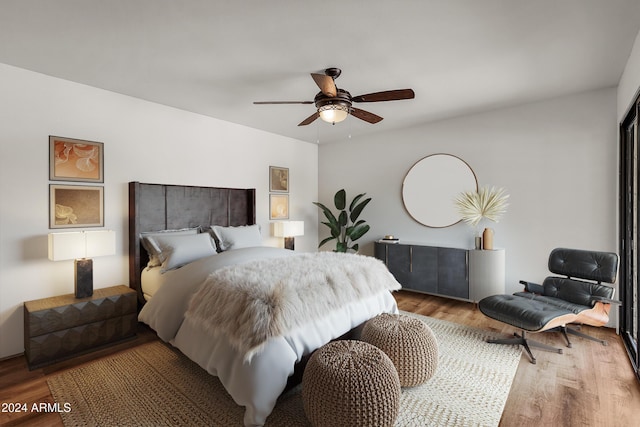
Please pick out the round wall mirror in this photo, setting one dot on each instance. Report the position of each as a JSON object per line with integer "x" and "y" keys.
{"x": 432, "y": 184}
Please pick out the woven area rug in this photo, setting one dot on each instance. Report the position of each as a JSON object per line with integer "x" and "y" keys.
{"x": 154, "y": 385}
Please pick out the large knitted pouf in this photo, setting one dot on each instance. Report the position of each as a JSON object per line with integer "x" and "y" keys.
{"x": 409, "y": 343}
{"x": 350, "y": 383}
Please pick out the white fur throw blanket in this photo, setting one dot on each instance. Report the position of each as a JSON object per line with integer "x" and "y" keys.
{"x": 255, "y": 301}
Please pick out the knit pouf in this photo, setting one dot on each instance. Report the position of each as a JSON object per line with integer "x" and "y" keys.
{"x": 409, "y": 343}
{"x": 350, "y": 383}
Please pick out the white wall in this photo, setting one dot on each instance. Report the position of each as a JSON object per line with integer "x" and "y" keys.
{"x": 143, "y": 142}
{"x": 630, "y": 80}
{"x": 556, "y": 159}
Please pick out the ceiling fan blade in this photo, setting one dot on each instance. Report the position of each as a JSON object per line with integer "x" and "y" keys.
{"x": 282, "y": 102}
{"x": 388, "y": 95}
{"x": 326, "y": 84}
{"x": 309, "y": 119}
{"x": 365, "y": 115}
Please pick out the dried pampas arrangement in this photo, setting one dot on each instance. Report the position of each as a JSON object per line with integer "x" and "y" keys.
{"x": 484, "y": 203}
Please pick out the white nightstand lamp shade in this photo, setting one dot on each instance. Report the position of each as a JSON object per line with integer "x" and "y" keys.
{"x": 82, "y": 246}
{"x": 63, "y": 246}
{"x": 288, "y": 230}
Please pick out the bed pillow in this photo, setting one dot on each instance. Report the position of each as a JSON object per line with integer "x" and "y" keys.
{"x": 243, "y": 236}
{"x": 179, "y": 250}
{"x": 155, "y": 254}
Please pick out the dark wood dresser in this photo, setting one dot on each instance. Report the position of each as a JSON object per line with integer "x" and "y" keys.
{"x": 60, "y": 327}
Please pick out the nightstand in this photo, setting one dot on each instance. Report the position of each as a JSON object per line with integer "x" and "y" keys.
{"x": 60, "y": 327}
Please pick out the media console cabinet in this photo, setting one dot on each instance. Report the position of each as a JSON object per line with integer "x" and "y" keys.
{"x": 466, "y": 274}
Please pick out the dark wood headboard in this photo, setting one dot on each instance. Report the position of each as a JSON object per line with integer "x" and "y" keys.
{"x": 155, "y": 207}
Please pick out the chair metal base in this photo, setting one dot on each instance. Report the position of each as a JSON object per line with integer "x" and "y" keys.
{"x": 575, "y": 331}
{"x": 524, "y": 342}
{"x": 565, "y": 330}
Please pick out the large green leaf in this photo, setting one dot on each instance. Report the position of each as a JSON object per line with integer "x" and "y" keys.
{"x": 355, "y": 200}
{"x": 320, "y": 205}
{"x": 342, "y": 219}
{"x": 348, "y": 231}
{"x": 358, "y": 232}
{"x": 328, "y": 214}
{"x": 328, "y": 239}
{"x": 340, "y": 199}
{"x": 335, "y": 231}
{"x": 356, "y": 211}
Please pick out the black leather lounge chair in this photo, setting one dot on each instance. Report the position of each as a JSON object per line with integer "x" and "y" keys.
{"x": 578, "y": 298}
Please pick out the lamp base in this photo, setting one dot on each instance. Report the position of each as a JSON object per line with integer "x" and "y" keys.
{"x": 84, "y": 278}
{"x": 289, "y": 243}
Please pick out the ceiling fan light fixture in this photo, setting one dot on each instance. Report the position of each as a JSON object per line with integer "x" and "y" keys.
{"x": 333, "y": 113}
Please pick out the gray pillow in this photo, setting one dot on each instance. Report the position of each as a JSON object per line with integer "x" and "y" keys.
{"x": 179, "y": 250}
{"x": 243, "y": 236}
{"x": 155, "y": 254}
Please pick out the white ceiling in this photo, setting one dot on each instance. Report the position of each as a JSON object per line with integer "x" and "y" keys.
{"x": 215, "y": 57}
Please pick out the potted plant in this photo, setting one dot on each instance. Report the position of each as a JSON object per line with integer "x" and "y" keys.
{"x": 345, "y": 227}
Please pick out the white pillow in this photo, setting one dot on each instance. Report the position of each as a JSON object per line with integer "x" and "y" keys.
{"x": 178, "y": 250}
{"x": 243, "y": 236}
{"x": 155, "y": 253}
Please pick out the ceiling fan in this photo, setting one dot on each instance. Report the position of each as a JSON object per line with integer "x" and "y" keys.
{"x": 334, "y": 104}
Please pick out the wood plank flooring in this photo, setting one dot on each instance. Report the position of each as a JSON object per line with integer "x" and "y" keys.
{"x": 589, "y": 385}
{"x": 21, "y": 386}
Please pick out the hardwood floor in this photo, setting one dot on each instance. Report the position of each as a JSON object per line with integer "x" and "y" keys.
{"x": 19, "y": 385}
{"x": 589, "y": 385}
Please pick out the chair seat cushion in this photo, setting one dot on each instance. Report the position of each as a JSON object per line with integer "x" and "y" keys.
{"x": 525, "y": 313}
{"x": 567, "y": 305}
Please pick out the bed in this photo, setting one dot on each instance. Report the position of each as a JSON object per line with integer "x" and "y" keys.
{"x": 249, "y": 315}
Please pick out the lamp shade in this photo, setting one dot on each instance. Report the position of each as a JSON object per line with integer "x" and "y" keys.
{"x": 64, "y": 246}
{"x": 81, "y": 244}
{"x": 288, "y": 228}
{"x": 100, "y": 243}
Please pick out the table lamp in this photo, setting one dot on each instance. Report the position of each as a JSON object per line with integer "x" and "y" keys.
{"x": 288, "y": 230}
{"x": 82, "y": 246}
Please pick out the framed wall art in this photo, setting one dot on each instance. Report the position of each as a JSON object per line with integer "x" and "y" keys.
{"x": 76, "y": 206}
{"x": 278, "y": 179}
{"x": 278, "y": 206}
{"x": 75, "y": 160}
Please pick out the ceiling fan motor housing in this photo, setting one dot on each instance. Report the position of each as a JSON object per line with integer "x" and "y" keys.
{"x": 342, "y": 98}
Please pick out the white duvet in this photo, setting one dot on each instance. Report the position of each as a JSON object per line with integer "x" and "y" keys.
{"x": 258, "y": 383}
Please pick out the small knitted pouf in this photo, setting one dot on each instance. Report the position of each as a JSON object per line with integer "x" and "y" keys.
{"x": 350, "y": 383}
{"x": 409, "y": 343}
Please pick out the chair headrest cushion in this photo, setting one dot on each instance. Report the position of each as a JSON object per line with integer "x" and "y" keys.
{"x": 589, "y": 265}
{"x": 575, "y": 291}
